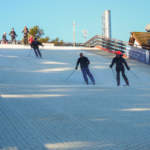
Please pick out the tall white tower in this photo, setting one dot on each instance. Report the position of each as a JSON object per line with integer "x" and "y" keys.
{"x": 106, "y": 24}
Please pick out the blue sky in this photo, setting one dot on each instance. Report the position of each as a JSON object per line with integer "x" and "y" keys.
{"x": 55, "y": 17}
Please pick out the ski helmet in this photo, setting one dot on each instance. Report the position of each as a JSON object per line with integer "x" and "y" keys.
{"x": 119, "y": 53}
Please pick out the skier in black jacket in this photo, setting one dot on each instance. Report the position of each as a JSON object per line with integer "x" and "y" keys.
{"x": 35, "y": 45}
{"x": 13, "y": 35}
{"x": 4, "y": 38}
{"x": 25, "y": 35}
{"x": 84, "y": 63}
{"x": 120, "y": 62}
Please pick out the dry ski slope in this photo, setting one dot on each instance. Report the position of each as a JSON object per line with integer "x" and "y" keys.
{"x": 41, "y": 110}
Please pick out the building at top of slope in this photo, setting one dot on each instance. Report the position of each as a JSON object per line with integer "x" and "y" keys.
{"x": 140, "y": 39}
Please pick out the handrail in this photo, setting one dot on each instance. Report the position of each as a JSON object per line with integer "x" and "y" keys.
{"x": 111, "y": 44}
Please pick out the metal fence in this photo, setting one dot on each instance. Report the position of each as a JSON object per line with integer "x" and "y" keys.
{"x": 112, "y": 45}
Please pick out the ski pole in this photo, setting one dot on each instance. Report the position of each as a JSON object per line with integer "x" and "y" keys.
{"x": 134, "y": 74}
{"x": 113, "y": 72}
{"x": 114, "y": 77}
{"x": 29, "y": 53}
{"x": 70, "y": 75}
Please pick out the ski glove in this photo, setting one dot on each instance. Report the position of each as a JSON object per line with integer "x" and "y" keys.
{"x": 110, "y": 66}
{"x": 76, "y": 68}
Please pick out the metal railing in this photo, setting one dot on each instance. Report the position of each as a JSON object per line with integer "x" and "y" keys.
{"x": 110, "y": 44}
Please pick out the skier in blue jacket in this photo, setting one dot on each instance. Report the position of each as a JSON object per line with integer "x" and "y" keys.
{"x": 120, "y": 63}
{"x": 84, "y": 63}
{"x": 35, "y": 45}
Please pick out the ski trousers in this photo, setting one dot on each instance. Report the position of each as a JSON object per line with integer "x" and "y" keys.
{"x": 86, "y": 73}
{"x": 123, "y": 75}
{"x": 37, "y": 52}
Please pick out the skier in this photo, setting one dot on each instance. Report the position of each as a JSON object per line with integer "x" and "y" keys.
{"x": 4, "y": 38}
{"x": 84, "y": 63}
{"x": 30, "y": 39}
{"x": 35, "y": 45}
{"x": 13, "y": 35}
{"x": 120, "y": 62}
{"x": 25, "y": 36}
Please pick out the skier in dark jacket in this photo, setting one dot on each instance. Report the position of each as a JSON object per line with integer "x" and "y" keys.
{"x": 84, "y": 63}
{"x": 25, "y": 35}
{"x": 4, "y": 38}
{"x": 35, "y": 45}
{"x": 13, "y": 35}
{"x": 120, "y": 62}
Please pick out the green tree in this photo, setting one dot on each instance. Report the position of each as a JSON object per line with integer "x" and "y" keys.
{"x": 61, "y": 42}
{"x": 44, "y": 40}
{"x": 57, "y": 42}
{"x": 36, "y": 32}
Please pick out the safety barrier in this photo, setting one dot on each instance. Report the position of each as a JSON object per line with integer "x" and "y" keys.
{"x": 106, "y": 44}
{"x": 113, "y": 45}
{"x": 139, "y": 54}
